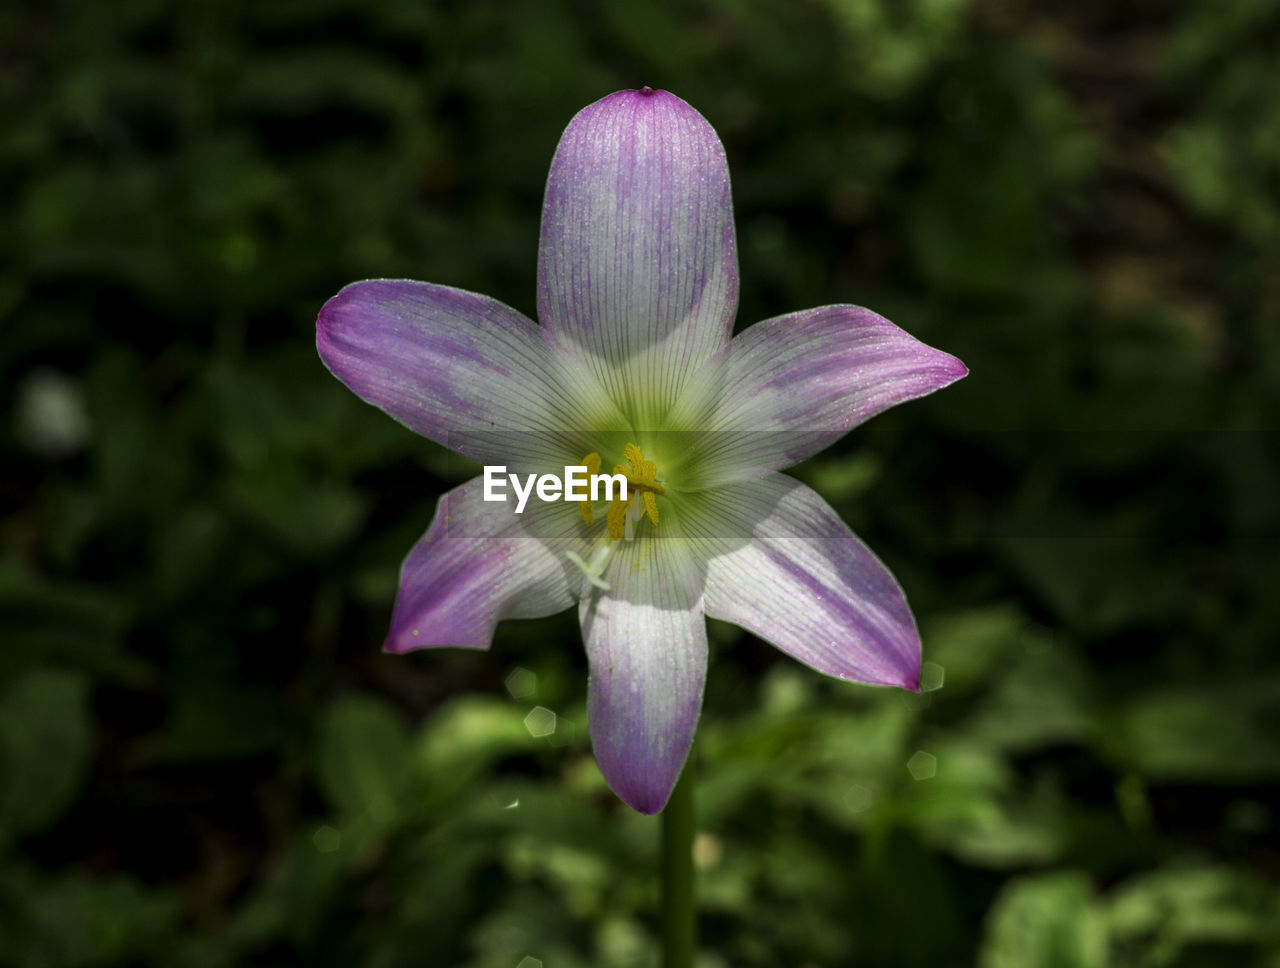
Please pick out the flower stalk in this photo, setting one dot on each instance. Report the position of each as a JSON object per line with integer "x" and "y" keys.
{"x": 679, "y": 911}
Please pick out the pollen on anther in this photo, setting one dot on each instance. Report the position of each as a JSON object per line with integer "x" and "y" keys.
{"x": 618, "y": 519}
{"x": 642, "y": 479}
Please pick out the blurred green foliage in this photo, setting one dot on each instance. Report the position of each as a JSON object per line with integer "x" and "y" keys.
{"x": 204, "y": 758}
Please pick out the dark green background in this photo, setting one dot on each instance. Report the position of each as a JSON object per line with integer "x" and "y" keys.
{"x": 205, "y": 759}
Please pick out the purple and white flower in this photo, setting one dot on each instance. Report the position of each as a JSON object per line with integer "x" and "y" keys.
{"x": 634, "y": 364}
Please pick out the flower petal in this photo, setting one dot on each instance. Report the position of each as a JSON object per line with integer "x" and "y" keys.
{"x": 457, "y": 367}
{"x": 637, "y": 267}
{"x": 790, "y": 386}
{"x": 646, "y": 643}
{"x": 781, "y": 564}
{"x": 479, "y": 563}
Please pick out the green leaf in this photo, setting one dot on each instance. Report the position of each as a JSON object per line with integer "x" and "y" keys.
{"x": 1219, "y": 730}
{"x": 1168, "y": 909}
{"x": 968, "y": 645}
{"x": 76, "y": 921}
{"x": 1047, "y": 921}
{"x": 44, "y": 748}
{"x": 966, "y": 801}
{"x": 363, "y": 759}
{"x": 464, "y": 737}
{"x": 1041, "y": 699}
{"x": 77, "y": 623}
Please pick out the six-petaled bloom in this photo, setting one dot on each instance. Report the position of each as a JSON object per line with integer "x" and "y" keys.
{"x": 635, "y": 366}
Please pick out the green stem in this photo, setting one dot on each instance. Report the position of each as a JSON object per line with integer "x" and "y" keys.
{"x": 679, "y": 916}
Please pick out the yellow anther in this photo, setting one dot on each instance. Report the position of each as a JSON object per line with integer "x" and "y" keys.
{"x": 592, "y": 462}
{"x": 642, "y": 480}
{"x": 618, "y": 519}
{"x": 650, "y": 506}
{"x": 643, "y": 472}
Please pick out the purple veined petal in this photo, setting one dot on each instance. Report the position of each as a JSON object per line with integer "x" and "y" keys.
{"x": 646, "y": 643}
{"x": 479, "y": 563}
{"x": 781, "y": 564}
{"x": 637, "y": 265}
{"x": 790, "y": 386}
{"x": 460, "y": 368}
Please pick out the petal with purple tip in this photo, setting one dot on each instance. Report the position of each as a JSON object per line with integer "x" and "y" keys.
{"x": 460, "y": 368}
{"x": 781, "y": 564}
{"x": 646, "y": 643}
{"x": 790, "y": 386}
{"x": 479, "y": 563}
{"x": 637, "y": 267}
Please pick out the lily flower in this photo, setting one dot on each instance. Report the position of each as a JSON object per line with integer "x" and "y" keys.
{"x": 634, "y": 365}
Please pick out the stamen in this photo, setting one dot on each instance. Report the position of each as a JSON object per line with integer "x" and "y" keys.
{"x": 636, "y": 459}
{"x": 641, "y": 478}
{"x": 617, "y": 518}
{"x": 642, "y": 481}
{"x": 650, "y": 505}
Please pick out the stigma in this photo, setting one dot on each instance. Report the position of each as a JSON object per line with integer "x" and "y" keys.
{"x": 642, "y": 490}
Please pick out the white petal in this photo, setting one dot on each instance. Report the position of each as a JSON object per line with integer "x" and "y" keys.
{"x": 478, "y": 563}
{"x": 646, "y": 641}
{"x": 462, "y": 369}
{"x": 637, "y": 267}
{"x": 781, "y": 563}
{"x": 788, "y": 387}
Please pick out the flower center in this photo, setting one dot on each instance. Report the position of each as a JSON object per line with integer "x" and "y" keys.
{"x": 642, "y": 489}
